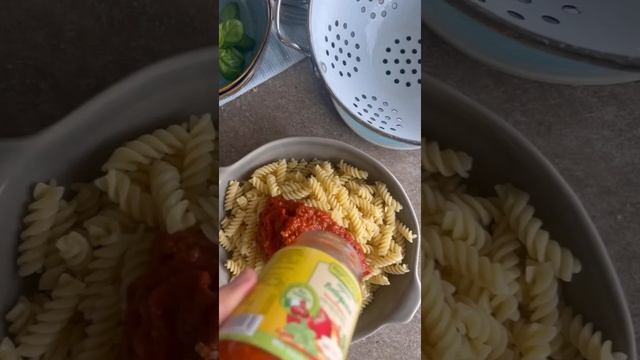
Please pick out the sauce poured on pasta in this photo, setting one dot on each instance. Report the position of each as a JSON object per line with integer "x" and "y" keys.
{"x": 283, "y": 221}
{"x": 172, "y": 310}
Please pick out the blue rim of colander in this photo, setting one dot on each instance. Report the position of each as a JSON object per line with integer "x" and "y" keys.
{"x": 483, "y": 43}
{"x": 370, "y": 136}
{"x": 478, "y": 12}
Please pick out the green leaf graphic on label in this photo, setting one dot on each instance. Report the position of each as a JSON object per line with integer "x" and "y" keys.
{"x": 303, "y": 335}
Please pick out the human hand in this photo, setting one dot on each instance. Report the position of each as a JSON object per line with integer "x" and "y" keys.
{"x": 232, "y": 294}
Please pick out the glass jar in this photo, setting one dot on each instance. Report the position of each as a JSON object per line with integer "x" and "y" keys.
{"x": 305, "y": 305}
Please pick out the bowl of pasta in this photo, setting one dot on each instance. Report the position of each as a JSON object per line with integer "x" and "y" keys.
{"x": 510, "y": 256}
{"x": 82, "y": 199}
{"x": 375, "y": 209}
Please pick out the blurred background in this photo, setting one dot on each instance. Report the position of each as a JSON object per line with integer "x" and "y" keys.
{"x": 55, "y": 55}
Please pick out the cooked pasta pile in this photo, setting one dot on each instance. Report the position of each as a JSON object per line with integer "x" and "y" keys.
{"x": 86, "y": 246}
{"x": 366, "y": 209}
{"x": 491, "y": 274}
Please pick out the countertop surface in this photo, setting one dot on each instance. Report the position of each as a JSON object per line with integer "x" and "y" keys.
{"x": 590, "y": 134}
{"x": 295, "y": 103}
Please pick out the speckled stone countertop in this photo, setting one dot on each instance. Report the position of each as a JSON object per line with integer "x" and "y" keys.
{"x": 590, "y": 134}
{"x": 295, "y": 103}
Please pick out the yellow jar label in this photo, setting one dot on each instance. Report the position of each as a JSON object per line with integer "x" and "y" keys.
{"x": 305, "y": 306}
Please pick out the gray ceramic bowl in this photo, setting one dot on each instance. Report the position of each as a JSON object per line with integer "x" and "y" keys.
{"x": 502, "y": 155}
{"x": 75, "y": 148}
{"x": 395, "y": 303}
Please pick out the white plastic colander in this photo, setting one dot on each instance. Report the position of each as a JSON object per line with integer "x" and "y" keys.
{"x": 368, "y": 52}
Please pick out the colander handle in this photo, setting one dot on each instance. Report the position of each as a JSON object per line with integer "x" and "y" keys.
{"x": 283, "y": 38}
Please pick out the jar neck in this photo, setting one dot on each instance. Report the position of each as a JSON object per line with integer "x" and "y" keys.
{"x": 334, "y": 245}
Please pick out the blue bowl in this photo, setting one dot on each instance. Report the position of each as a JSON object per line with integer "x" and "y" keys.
{"x": 256, "y": 18}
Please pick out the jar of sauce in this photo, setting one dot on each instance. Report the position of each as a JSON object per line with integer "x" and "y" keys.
{"x": 305, "y": 305}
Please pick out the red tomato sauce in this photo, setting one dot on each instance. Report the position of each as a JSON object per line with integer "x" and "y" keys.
{"x": 172, "y": 309}
{"x": 282, "y": 221}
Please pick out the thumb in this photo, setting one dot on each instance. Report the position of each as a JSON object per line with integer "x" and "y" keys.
{"x": 232, "y": 294}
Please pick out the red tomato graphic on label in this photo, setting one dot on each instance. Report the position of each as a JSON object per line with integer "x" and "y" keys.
{"x": 321, "y": 324}
{"x": 300, "y": 310}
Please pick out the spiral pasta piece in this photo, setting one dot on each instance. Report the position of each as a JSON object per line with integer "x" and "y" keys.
{"x": 56, "y": 312}
{"x": 235, "y": 266}
{"x": 38, "y": 223}
{"x": 135, "y": 261}
{"x": 198, "y": 158}
{"x": 351, "y": 171}
{"x": 8, "y": 350}
{"x": 506, "y": 249}
{"x": 169, "y": 198}
{"x": 533, "y": 340}
{"x": 267, "y": 169}
{"x": 383, "y": 192}
{"x": 103, "y": 333}
{"x": 272, "y": 185}
{"x": 481, "y": 210}
{"x": 147, "y": 148}
{"x": 103, "y": 268}
{"x": 466, "y": 260}
{"x": 530, "y": 232}
{"x": 295, "y": 191}
{"x": 542, "y": 289}
{"x": 231, "y": 194}
{"x": 460, "y": 223}
{"x": 129, "y": 196}
{"x": 69, "y": 337}
{"x": 584, "y": 337}
{"x": 445, "y": 162}
{"x": 442, "y": 339}
{"x": 54, "y": 265}
{"x": 21, "y": 315}
{"x": 396, "y": 269}
{"x": 75, "y": 250}
{"x": 482, "y": 327}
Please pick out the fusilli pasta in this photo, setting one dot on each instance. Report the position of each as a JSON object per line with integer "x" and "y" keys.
{"x": 367, "y": 210}
{"x": 88, "y": 248}
{"x": 492, "y": 274}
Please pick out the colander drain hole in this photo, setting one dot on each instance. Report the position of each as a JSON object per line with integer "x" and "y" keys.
{"x": 402, "y": 62}
{"x": 374, "y": 113}
{"x": 341, "y": 48}
{"x": 375, "y": 8}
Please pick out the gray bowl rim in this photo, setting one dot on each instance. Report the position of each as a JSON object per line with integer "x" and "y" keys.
{"x": 492, "y": 119}
{"x": 411, "y": 304}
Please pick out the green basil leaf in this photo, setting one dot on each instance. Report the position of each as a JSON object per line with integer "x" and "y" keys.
{"x": 230, "y": 11}
{"x": 233, "y": 31}
{"x": 245, "y": 44}
{"x": 221, "y": 43}
{"x": 230, "y": 63}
